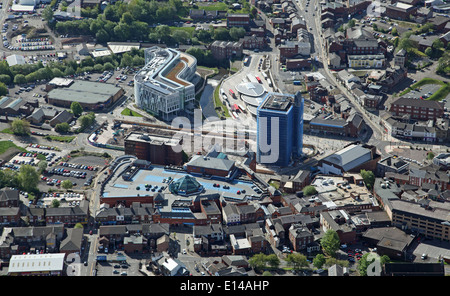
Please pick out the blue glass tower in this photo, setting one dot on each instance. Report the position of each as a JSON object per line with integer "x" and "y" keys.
{"x": 279, "y": 129}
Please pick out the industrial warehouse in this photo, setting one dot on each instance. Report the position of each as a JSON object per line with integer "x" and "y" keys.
{"x": 91, "y": 95}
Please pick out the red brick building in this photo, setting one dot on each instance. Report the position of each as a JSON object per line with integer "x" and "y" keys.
{"x": 300, "y": 237}
{"x": 156, "y": 149}
{"x": 238, "y": 20}
{"x": 253, "y": 42}
{"x": 417, "y": 109}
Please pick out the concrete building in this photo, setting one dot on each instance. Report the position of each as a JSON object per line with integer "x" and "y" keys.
{"x": 163, "y": 86}
{"x": 351, "y": 158}
{"x": 38, "y": 264}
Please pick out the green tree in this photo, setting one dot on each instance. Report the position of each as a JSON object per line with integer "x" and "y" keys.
{"x": 127, "y": 18}
{"x": 66, "y": 184}
{"x": 63, "y": 127}
{"x": 319, "y": 261}
{"x": 443, "y": 67}
{"x": 258, "y": 261}
{"x": 69, "y": 71}
{"x": 430, "y": 155}
{"x": 297, "y": 260}
{"x": 28, "y": 177}
{"x": 6, "y": 79}
{"x": 86, "y": 120}
{"x": 55, "y": 203}
{"x": 76, "y": 108}
{"x": 351, "y": 23}
{"x": 221, "y": 34}
{"x": 127, "y": 60}
{"x": 369, "y": 178}
{"x": 42, "y": 166}
{"x": 197, "y": 53}
{"x": 429, "y": 51}
{"x": 332, "y": 261}
{"x": 180, "y": 36}
{"x": 57, "y": 72}
{"x": 309, "y": 190}
{"x": 394, "y": 31}
{"x": 3, "y": 89}
{"x": 102, "y": 36}
{"x": 20, "y": 127}
{"x": 9, "y": 178}
{"x": 330, "y": 242}
{"x": 79, "y": 225}
{"x": 20, "y": 79}
{"x": 273, "y": 260}
{"x": 407, "y": 44}
{"x": 437, "y": 44}
{"x": 364, "y": 263}
{"x": 237, "y": 32}
{"x": 47, "y": 13}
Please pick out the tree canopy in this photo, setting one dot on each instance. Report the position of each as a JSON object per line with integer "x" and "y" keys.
{"x": 330, "y": 242}
{"x": 20, "y": 127}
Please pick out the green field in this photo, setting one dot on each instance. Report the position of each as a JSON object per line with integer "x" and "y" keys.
{"x": 441, "y": 94}
{"x": 215, "y": 6}
{"x": 5, "y": 145}
{"x": 189, "y": 30}
{"x": 66, "y": 139}
{"x": 129, "y": 112}
{"x": 218, "y": 103}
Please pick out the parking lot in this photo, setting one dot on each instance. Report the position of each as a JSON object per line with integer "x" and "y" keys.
{"x": 424, "y": 91}
{"x": 81, "y": 171}
{"x": 114, "y": 267}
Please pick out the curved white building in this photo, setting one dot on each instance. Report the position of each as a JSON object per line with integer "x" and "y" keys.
{"x": 162, "y": 87}
{"x": 252, "y": 93}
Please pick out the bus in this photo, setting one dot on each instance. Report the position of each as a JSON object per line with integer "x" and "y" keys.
{"x": 231, "y": 92}
{"x": 258, "y": 79}
{"x": 247, "y": 61}
{"x": 264, "y": 75}
{"x": 241, "y": 109}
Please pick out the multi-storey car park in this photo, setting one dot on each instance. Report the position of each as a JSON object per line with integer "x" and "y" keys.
{"x": 163, "y": 86}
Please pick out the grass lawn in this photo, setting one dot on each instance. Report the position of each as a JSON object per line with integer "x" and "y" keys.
{"x": 129, "y": 112}
{"x": 441, "y": 94}
{"x": 215, "y": 6}
{"x": 7, "y": 131}
{"x": 274, "y": 184}
{"x": 422, "y": 83}
{"x": 189, "y": 30}
{"x": 66, "y": 139}
{"x": 5, "y": 145}
{"x": 218, "y": 103}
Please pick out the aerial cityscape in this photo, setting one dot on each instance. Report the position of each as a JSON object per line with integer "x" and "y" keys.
{"x": 221, "y": 138}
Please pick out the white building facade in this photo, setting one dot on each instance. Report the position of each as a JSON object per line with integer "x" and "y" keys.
{"x": 162, "y": 87}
